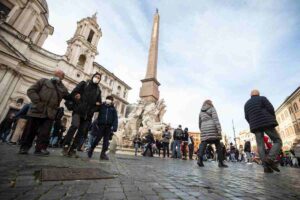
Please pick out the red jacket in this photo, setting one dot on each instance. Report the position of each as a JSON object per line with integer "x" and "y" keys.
{"x": 268, "y": 144}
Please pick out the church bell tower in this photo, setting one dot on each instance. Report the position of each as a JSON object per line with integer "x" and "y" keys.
{"x": 82, "y": 47}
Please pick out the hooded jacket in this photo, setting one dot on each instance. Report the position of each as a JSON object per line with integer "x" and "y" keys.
{"x": 90, "y": 93}
{"x": 209, "y": 124}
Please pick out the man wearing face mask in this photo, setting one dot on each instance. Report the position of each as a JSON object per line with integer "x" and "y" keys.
{"x": 106, "y": 124}
{"x": 45, "y": 96}
{"x": 87, "y": 98}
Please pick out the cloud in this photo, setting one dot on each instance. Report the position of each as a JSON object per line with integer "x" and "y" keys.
{"x": 207, "y": 50}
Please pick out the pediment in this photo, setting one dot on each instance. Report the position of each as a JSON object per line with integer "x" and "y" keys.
{"x": 7, "y": 48}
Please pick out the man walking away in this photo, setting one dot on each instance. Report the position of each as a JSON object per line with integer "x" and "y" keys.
{"x": 177, "y": 137}
{"x": 260, "y": 115}
{"x": 247, "y": 150}
{"x": 45, "y": 96}
{"x": 185, "y": 139}
{"x": 166, "y": 142}
{"x": 107, "y": 124}
{"x": 87, "y": 98}
{"x": 191, "y": 144}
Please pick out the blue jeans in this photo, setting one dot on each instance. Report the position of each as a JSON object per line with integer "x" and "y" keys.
{"x": 4, "y": 135}
{"x": 176, "y": 149}
{"x": 53, "y": 140}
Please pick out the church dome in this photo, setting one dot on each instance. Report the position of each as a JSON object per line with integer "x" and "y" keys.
{"x": 45, "y": 6}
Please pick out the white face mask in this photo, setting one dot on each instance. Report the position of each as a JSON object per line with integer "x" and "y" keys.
{"x": 108, "y": 101}
{"x": 96, "y": 80}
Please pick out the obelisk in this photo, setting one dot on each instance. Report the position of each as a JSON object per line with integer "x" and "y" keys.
{"x": 149, "y": 90}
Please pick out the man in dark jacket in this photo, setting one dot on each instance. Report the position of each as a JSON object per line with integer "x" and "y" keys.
{"x": 166, "y": 142}
{"x": 150, "y": 140}
{"x": 107, "y": 124}
{"x": 260, "y": 114}
{"x": 45, "y": 96}
{"x": 185, "y": 138}
{"x": 177, "y": 137}
{"x": 87, "y": 98}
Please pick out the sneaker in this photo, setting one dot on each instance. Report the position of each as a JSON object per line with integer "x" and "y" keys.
{"x": 104, "y": 157}
{"x": 23, "y": 151}
{"x": 42, "y": 152}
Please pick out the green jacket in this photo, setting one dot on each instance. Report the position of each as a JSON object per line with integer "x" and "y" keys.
{"x": 46, "y": 98}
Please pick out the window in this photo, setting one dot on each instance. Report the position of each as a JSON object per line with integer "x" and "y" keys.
{"x": 286, "y": 114}
{"x": 105, "y": 79}
{"x": 290, "y": 110}
{"x": 81, "y": 61}
{"x": 296, "y": 107}
{"x": 111, "y": 82}
{"x": 123, "y": 109}
{"x": 119, "y": 90}
{"x": 282, "y": 117}
{"x": 124, "y": 94}
{"x": 91, "y": 35}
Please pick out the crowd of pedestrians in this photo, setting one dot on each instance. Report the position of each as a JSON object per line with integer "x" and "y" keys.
{"x": 43, "y": 124}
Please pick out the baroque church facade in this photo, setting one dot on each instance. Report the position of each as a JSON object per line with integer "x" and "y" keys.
{"x": 24, "y": 27}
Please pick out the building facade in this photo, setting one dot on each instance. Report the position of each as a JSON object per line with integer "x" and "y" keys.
{"x": 24, "y": 27}
{"x": 288, "y": 117}
{"x": 246, "y": 135}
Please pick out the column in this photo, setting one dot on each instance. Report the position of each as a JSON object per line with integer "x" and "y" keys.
{"x": 7, "y": 95}
{"x": 4, "y": 84}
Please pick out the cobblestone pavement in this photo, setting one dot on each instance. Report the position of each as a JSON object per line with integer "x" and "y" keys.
{"x": 142, "y": 178}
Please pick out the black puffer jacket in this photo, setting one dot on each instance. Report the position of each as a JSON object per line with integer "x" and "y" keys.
{"x": 90, "y": 94}
{"x": 108, "y": 116}
{"x": 259, "y": 113}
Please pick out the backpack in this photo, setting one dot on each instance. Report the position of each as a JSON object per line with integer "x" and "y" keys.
{"x": 70, "y": 104}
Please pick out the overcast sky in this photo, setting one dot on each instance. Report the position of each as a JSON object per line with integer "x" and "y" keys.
{"x": 217, "y": 50}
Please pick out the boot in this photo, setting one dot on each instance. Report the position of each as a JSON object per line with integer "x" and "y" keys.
{"x": 103, "y": 156}
{"x": 221, "y": 164}
{"x": 42, "y": 152}
{"x": 65, "y": 151}
{"x": 268, "y": 170}
{"x": 200, "y": 162}
{"x": 90, "y": 153}
{"x": 72, "y": 153}
{"x": 271, "y": 164}
{"x": 23, "y": 150}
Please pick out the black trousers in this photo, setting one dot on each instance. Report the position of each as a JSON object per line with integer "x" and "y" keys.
{"x": 39, "y": 127}
{"x": 166, "y": 149}
{"x": 191, "y": 151}
{"x": 100, "y": 132}
{"x": 80, "y": 125}
{"x": 202, "y": 148}
{"x": 149, "y": 147}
